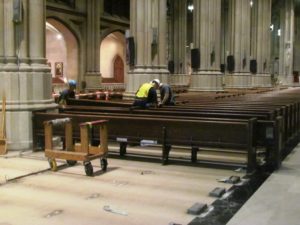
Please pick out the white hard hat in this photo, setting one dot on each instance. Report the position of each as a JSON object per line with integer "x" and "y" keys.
{"x": 156, "y": 81}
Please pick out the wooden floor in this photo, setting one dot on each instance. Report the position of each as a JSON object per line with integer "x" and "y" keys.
{"x": 132, "y": 192}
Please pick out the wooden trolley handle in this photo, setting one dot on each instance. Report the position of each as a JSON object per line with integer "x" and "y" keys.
{"x": 94, "y": 123}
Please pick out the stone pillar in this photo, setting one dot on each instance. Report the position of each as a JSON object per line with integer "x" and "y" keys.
{"x": 207, "y": 38}
{"x": 9, "y": 36}
{"x": 170, "y": 31}
{"x": 179, "y": 47}
{"x": 37, "y": 49}
{"x": 25, "y": 76}
{"x": 2, "y": 58}
{"x": 92, "y": 75}
{"x": 261, "y": 42}
{"x": 286, "y": 43}
{"x": 148, "y": 23}
{"x": 23, "y": 42}
{"x": 224, "y": 30}
{"x": 239, "y": 44}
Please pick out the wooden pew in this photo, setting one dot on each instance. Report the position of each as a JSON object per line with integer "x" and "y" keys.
{"x": 285, "y": 129}
{"x": 285, "y": 107}
{"x": 265, "y": 130}
{"x": 168, "y": 132}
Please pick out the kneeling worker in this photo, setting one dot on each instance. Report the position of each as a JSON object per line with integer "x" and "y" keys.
{"x": 146, "y": 95}
{"x": 166, "y": 95}
{"x": 67, "y": 93}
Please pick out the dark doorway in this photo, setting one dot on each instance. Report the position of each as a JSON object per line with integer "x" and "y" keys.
{"x": 118, "y": 69}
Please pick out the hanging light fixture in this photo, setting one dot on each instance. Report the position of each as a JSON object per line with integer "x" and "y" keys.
{"x": 191, "y": 7}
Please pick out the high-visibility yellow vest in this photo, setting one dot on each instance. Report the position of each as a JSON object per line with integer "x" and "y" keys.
{"x": 144, "y": 90}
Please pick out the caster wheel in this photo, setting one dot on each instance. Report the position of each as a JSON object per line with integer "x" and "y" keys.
{"x": 71, "y": 162}
{"x": 88, "y": 169}
{"x": 53, "y": 165}
{"x": 103, "y": 163}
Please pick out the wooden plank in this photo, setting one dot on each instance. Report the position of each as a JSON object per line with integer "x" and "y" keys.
{"x": 104, "y": 137}
{"x": 3, "y": 142}
{"x": 84, "y": 139}
{"x": 57, "y": 154}
{"x": 96, "y": 150}
{"x": 69, "y": 137}
{"x": 48, "y": 135}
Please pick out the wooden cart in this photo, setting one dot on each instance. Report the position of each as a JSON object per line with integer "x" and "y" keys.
{"x": 84, "y": 152}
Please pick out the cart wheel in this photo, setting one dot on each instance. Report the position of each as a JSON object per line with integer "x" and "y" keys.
{"x": 103, "y": 163}
{"x": 88, "y": 169}
{"x": 71, "y": 162}
{"x": 53, "y": 165}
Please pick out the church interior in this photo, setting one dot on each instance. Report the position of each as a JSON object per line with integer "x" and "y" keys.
{"x": 149, "y": 112}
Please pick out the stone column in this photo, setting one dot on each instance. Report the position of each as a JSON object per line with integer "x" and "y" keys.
{"x": 37, "y": 49}
{"x": 261, "y": 42}
{"x": 224, "y": 30}
{"x": 207, "y": 38}
{"x": 25, "y": 77}
{"x": 9, "y": 36}
{"x": 239, "y": 44}
{"x": 2, "y": 58}
{"x": 22, "y": 41}
{"x": 92, "y": 75}
{"x": 148, "y": 26}
{"x": 179, "y": 47}
{"x": 170, "y": 31}
{"x": 286, "y": 43}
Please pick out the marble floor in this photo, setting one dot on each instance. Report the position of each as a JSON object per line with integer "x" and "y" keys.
{"x": 277, "y": 201}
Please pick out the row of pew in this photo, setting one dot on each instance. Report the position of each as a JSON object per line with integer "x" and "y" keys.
{"x": 265, "y": 125}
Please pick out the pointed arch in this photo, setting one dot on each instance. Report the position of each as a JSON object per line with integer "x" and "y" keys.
{"x": 112, "y": 55}
{"x": 62, "y": 50}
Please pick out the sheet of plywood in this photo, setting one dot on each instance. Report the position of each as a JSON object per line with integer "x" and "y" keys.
{"x": 147, "y": 192}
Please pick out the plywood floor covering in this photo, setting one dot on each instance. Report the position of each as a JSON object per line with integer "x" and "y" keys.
{"x": 141, "y": 193}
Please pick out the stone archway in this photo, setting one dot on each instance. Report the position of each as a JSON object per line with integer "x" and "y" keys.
{"x": 61, "y": 50}
{"x": 112, "y": 57}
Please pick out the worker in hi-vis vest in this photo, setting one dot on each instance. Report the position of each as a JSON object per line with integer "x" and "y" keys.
{"x": 146, "y": 95}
